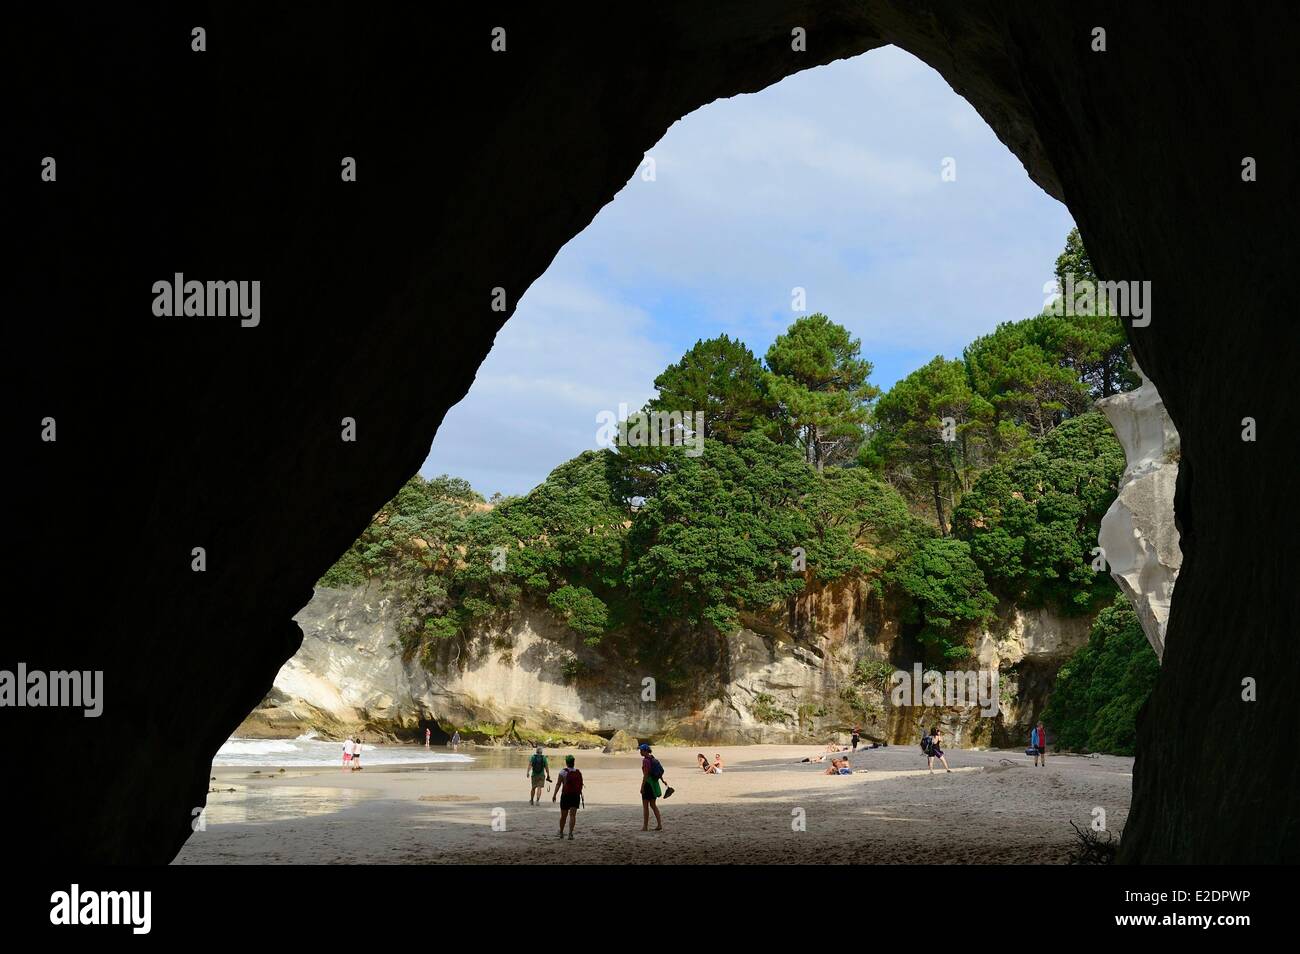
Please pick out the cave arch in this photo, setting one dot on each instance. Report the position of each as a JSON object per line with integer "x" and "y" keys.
{"x": 473, "y": 168}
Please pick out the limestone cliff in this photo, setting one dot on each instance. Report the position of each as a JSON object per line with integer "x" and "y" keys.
{"x": 798, "y": 680}
{"x": 1138, "y": 534}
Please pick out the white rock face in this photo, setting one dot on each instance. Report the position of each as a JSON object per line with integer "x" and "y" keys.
{"x": 1138, "y": 533}
{"x": 349, "y": 677}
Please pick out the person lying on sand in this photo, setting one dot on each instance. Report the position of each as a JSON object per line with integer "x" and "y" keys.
{"x": 833, "y": 748}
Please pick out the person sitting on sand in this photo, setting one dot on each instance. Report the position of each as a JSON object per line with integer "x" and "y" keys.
{"x": 539, "y": 769}
{"x": 717, "y": 763}
{"x": 705, "y": 765}
{"x": 839, "y": 766}
{"x": 935, "y": 751}
{"x": 356, "y": 755}
{"x": 568, "y": 785}
{"x": 651, "y": 772}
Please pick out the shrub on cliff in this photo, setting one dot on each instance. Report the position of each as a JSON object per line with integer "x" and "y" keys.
{"x": 1032, "y": 523}
{"x": 1099, "y": 692}
{"x": 717, "y": 534}
{"x": 946, "y": 593}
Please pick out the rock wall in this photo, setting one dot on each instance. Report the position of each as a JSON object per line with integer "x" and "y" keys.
{"x": 1138, "y": 533}
{"x": 771, "y": 685}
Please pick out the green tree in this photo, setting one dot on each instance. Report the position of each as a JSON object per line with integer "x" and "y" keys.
{"x": 820, "y": 381}
{"x": 859, "y": 524}
{"x": 1087, "y": 334}
{"x": 1032, "y": 523}
{"x": 947, "y": 595}
{"x": 716, "y": 536}
{"x": 1100, "y": 690}
{"x": 568, "y": 532}
{"x": 722, "y": 378}
{"x": 1029, "y": 386}
{"x": 928, "y": 429}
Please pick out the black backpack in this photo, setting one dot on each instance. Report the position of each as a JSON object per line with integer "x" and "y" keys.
{"x": 925, "y": 744}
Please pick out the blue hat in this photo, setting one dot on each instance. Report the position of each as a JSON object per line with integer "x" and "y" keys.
{"x": 644, "y": 747}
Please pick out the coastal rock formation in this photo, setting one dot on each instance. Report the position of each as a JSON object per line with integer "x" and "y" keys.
{"x": 376, "y": 306}
{"x": 773, "y": 686}
{"x": 620, "y": 741}
{"x": 1138, "y": 533}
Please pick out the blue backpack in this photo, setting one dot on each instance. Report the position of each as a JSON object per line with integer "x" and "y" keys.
{"x": 656, "y": 768}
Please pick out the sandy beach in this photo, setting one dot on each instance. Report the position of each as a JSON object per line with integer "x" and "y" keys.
{"x": 994, "y": 807}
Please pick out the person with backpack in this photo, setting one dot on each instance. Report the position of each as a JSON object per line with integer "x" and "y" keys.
{"x": 568, "y": 785}
{"x": 1038, "y": 744}
{"x": 932, "y": 746}
{"x": 652, "y": 773}
{"x": 539, "y": 769}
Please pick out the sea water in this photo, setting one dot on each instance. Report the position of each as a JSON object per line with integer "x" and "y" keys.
{"x": 308, "y": 750}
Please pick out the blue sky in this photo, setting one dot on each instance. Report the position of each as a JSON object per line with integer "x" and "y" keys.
{"x": 830, "y": 181}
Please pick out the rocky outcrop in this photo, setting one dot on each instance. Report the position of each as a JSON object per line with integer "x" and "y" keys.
{"x": 620, "y": 741}
{"x": 1138, "y": 535}
{"x": 377, "y": 307}
{"x": 350, "y": 677}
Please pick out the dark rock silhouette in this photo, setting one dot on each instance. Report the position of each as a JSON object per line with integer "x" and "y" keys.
{"x": 473, "y": 169}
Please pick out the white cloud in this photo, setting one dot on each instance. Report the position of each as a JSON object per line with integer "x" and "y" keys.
{"x": 829, "y": 180}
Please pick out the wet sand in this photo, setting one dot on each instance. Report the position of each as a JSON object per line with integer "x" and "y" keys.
{"x": 994, "y": 807}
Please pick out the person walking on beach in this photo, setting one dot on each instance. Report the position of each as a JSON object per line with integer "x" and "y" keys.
{"x": 935, "y": 750}
{"x": 539, "y": 770}
{"x": 455, "y": 739}
{"x": 348, "y": 748}
{"x": 857, "y": 734}
{"x": 1038, "y": 742}
{"x": 652, "y": 773}
{"x": 356, "y": 755}
{"x": 568, "y": 785}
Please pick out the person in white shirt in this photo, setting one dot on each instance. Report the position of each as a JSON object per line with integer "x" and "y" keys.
{"x": 348, "y": 748}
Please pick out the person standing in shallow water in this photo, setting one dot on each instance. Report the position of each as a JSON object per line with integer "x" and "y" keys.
{"x": 428, "y": 736}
